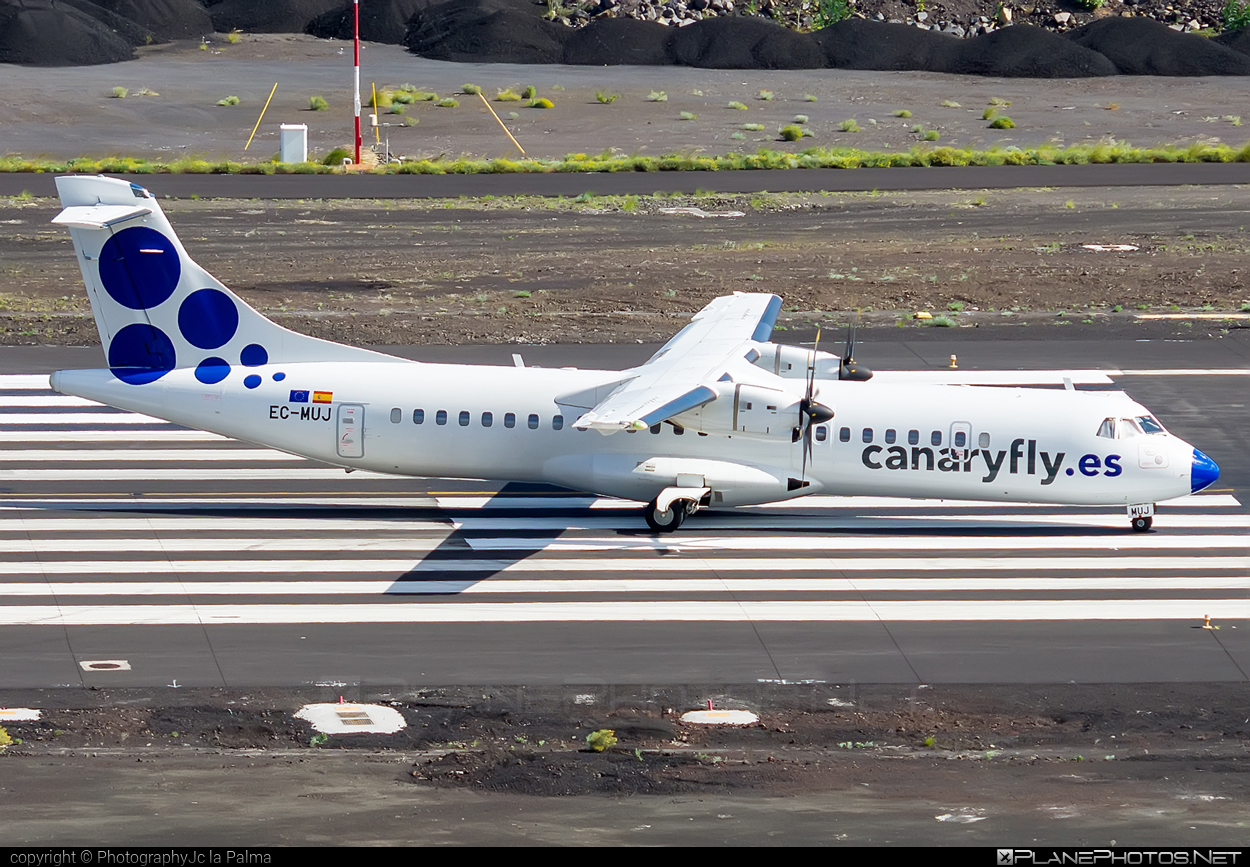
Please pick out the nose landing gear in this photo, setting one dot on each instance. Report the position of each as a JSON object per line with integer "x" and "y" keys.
{"x": 1141, "y": 517}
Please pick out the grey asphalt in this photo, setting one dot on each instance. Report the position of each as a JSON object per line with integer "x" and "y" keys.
{"x": 648, "y": 183}
{"x": 1207, "y": 410}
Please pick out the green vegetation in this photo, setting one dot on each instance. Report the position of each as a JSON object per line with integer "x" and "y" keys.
{"x": 471, "y": 89}
{"x": 120, "y": 93}
{"x": 766, "y": 95}
{"x": 403, "y": 97}
{"x": 317, "y": 103}
{"x": 689, "y": 115}
{"x": 522, "y": 294}
{"x": 318, "y": 739}
{"x": 800, "y": 118}
{"x": 831, "y": 12}
{"x": 753, "y": 127}
{"x": 396, "y": 108}
{"x": 942, "y": 321}
{"x": 793, "y": 132}
{"x": 1236, "y": 15}
{"x": 739, "y": 106}
{"x": 1003, "y": 122}
{"x": 541, "y": 103}
{"x": 606, "y": 98}
{"x": 447, "y": 102}
{"x": 902, "y": 112}
{"x": 849, "y": 125}
{"x": 336, "y": 157}
{"x": 999, "y": 103}
{"x": 530, "y": 92}
{"x": 507, "y": 95}
{"x": 930, "y": 135}
{"x": 5, "y": 739}
{"x": 955, "y": 307}
{"x": 382, "y": 99}
{"x": 657, "y": 96}
{"x": 949, "y": 103}
{"x": 737, "y": 136}
{"x": 604, "y": 739}
{"x": 808, "y": 97}
{"x": 234, "y": 36}
{"x": 229, "y": 100}
{"x": 813, "y": 157}
{"x": 989, "y": 113}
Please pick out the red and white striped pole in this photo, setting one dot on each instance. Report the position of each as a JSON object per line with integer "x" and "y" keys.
{"x": 356, "y": 103}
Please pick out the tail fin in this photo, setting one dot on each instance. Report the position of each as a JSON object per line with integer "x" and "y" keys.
{"x": 158, "y": 310}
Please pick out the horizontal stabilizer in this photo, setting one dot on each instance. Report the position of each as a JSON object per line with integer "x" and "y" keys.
{"x": 98, "y": 216}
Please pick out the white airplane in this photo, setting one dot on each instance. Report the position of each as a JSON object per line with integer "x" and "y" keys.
{"x": 718, "y": 417}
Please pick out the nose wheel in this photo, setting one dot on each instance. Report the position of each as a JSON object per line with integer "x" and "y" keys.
{"x": 665, "y": 520}
{"x": 1142, "y": 524}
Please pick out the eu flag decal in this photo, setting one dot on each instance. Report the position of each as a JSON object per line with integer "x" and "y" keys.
{"x": 298, "y": 396}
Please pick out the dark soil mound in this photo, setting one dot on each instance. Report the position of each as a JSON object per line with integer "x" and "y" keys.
{"x": 380, "y": 21}
{"x": 165, "y": 19}
{"x": 118, "y": 25}
{"x": 269, "y": 16}
{"x": 1023, "y": 51}
{"x": 40, "y": 33}
{"x": 1140, "y": 46}
{"x": 858, "y": 44}
{"x": 491, "y": 31}
{"x": 619, "y": 42}
{"x": 744, "y": 43}
{"x": 1238, "y": 40}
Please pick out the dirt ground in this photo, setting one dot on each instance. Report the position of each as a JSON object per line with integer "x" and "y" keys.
{"x": 171, "y": 109}
{"x": 1140, "y": 762}
{"x": 602, "y": 269}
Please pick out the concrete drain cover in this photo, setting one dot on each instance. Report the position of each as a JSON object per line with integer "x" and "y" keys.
{"x": 104, "y": 665}
{"x": 18, "y": 714}
{"x": 338, "y": 719}
{"x": 720, "y": 717}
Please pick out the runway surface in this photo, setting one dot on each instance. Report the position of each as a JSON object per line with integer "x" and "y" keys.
{"x": 177, "y": 557}
{"x": 650, "y": 183}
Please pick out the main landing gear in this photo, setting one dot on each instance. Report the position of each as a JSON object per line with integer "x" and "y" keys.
{"x": 673, "y": 505}
{"x": 666, "y": 520}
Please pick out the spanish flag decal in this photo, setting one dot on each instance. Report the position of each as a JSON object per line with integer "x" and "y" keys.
{"x": 323, "y": 397}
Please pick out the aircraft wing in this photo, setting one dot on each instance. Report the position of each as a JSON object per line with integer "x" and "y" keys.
{"x": 680, "y": 376}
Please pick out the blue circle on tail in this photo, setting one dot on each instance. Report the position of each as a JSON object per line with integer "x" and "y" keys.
{"x": 141, "y": 353}
{"x": 208, "y": 318}
{"x": 212, "y": 370}
{"x": 139, "y": 268}
{"x": 254, "y": 355}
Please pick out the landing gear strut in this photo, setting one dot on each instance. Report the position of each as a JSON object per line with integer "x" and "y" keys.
{"x": 666, "y": 520}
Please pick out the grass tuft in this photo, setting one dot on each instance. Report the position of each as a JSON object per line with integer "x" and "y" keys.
{"x": 471, "y": 89}
{"x": 792, "y": 132}
{"x": 738, "y": 106}
{"x": 1002, "y": 122}
{"x": 849, "y": 125}
{"x": 800, "y": 118}
{"x": 317, "y": 103}
{"x": 447, "y": 102}
{"x": 120, "y": 93}
{"x": 234, "y": 36}
{"x": 507, "y": 95}
{"x": 657, "y": 96}
{"x": 753, "y": 127}
{"x": 229, "y": 100}
{"x": 930, "y": 135}
{"x": 942, "y": 321}
{"x": 807, "y": 97}
{"x": 949, "y": 103}
{"x": 689, "y": 115}
{"x": 766, "y": 95}
{"x": 606, "y": 98}
{"x": 902, "y": 112}
{"x": 530, "y": 92}
{"x": 542, "y": 102}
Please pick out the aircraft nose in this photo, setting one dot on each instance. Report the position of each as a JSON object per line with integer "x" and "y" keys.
{"x": 1204, "y": 473}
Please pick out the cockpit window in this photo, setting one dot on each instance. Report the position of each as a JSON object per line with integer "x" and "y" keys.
{"x": 1107, "y": 428}
{"x": 1149, "y": 425}
{"x": 1126, "y": 428}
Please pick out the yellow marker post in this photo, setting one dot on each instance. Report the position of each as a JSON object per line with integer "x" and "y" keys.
{"x": 377, "y": 135}
{"x": 505, "y": 129}
{"x": 262, "y": 117}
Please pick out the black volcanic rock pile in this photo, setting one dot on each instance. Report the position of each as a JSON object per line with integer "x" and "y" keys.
{"x": 700, "y": 33}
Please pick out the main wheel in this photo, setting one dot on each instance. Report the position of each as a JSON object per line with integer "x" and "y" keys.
{"x": 668, "y": 520}
{"x": 1141, "y": 525}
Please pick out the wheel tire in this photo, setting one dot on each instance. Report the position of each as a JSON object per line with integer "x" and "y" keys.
{"x": 667, "y": 521}
{"x": 1141, "y": 525}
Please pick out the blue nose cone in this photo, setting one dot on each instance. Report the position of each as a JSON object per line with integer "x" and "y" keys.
{"x": 1204, "y": 473}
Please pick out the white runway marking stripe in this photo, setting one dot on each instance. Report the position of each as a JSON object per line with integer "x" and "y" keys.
{"x": 496, "y": 586}
{"x": 44, "y": 400}
{"x": 108, "y": 436}
{"x": 8, "y": 456}
{"x": 91, "y": 523}
{"x": 77, "y": 418}
{"x": 184, "y": 475}
{"x": 665, "y": 564}
{"x": 587, "y": 612}
{"x": 695, "y": 544}
{"x": 27, "y": 380}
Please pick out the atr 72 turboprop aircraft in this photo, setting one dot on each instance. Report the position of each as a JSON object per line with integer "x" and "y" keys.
{"x": 718, "y": 417}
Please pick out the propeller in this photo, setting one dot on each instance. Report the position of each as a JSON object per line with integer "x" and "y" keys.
{"x": 810, "y": 411}
{"x": 850, "y": 369}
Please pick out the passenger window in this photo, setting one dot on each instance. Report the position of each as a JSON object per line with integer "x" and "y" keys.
{"x": 557, "y": 422}
{"x": 655, "y": 428}
{"x": 464, "y": 418}
{"x": 678, "y": 430}
{"x": 397, "y": 415}
{"x": 961, "y": 439}
{"x": 983, "y": 440}
{"x": 488, "y": 419}
{"x": 418, "y": 416}
{"x": 440, "y": 417}
{"x": 936, "y": 438}
{"x": 890, "y": 436}
{"x": 533, "y": 422}
{"x": 1107, "y": 428}
{"x": 845, "y": 435}
{"x": 913, "y": 437}
{"x": 867, "y": 435}
{"x": 509, "y": 419}
{"x": 822, "y": 433}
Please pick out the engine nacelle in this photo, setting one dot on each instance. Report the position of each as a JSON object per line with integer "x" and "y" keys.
{"x": 790, "y": 362}
{"x": 745, "y": 410}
